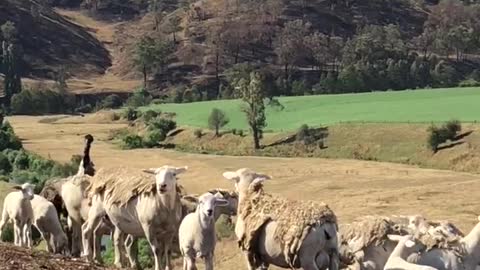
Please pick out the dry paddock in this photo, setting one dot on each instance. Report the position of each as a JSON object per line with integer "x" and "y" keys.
{"x": 352, "y": 188}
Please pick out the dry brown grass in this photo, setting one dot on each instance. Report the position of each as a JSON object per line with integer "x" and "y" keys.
{"x": 351, "y": 188}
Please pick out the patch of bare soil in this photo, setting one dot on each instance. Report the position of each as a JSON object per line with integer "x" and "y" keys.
{"x": 18, "y": 258}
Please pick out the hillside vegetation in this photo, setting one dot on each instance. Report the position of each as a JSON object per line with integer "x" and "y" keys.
{"x": 420, "y": 106}
{"x": 49, "y": 41}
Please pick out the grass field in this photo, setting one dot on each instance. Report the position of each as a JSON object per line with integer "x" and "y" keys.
{"x": 401, "y": 106}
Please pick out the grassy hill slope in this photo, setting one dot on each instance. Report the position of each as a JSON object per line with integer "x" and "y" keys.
{"x": 434, "y": 105}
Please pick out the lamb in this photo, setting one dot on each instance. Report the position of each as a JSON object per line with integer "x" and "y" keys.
{"x": 406, "y": 246}
{"x": 45, "y": 219}
{"x": 137, "y": 205}
{"x": 465, "y": 255}
{"x": 281, "y": 232}
{"x": 17, "y": 207}
{"x": 197, "y": 232}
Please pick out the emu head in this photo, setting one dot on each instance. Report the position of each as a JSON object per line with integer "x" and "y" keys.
{"x": 166, "y": 178}
{"x": 86, "y": 163}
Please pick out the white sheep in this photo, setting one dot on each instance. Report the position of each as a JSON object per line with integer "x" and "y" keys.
{"x": 45, "y": 219}
{"x": 17, "y": 207}
{"x": 406, "y": 246}
{"x": 285, "y": 233}
{"x": 138, "y": 205}
{"x": 196, "y": 234}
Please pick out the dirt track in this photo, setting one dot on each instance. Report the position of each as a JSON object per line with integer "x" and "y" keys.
{"x": 352, "y": 188}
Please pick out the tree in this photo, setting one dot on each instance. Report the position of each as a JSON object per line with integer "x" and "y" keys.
{"x": 151, "y": 54}
{"x": 217, "y": 120}
{"x": 156, "y": 7}
{"x": 174, "y": 26}
{"x": 10, "y": 60}
{"x": 252, "y": 92}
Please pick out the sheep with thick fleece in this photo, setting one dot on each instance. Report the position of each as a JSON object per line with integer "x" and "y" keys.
{"x": 281, "y": 232}
{"x": 17, "y": 207}
{"x": 197, "y": 232}
{"x": 397, "y": 260}
{"x": 45, "y": 219}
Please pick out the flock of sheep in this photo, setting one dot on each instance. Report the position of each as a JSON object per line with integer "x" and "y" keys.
{"x": 271, "y": 230}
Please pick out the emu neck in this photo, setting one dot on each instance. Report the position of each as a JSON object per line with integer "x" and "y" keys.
{"x": 472, "y": 242}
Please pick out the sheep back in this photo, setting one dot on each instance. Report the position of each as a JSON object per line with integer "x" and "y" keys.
{"x": 294, "y": 220}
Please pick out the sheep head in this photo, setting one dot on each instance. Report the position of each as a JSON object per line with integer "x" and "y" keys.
{"x": 246, "y": 179}
{"x": 166, "y": 178}
{"x": 26, "y": 189}
{"x": 207, "y": 204}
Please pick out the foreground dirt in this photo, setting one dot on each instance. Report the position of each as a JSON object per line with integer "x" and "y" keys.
{"x": 352, "y": 188}
{"x": 17, "y": 258}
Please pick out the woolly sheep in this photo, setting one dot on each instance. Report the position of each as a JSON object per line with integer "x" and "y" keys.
{"x": 137, "y": 206}
{"x": 312, "y": 239}
{"x": 45, "y": 219}
{"x": 406, "y": 246}
{"x": 197, "y": 232}
{"x": 17, "y": 207}
{"x": 464, "y": 256}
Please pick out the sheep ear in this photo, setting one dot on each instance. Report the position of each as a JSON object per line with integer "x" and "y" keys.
{"x": 409, "y": 243}
{"x": 150, "y": 171}
{"x": 221, "y": 202}
{"x": 17, "y": 187}
{"x": 394, "y": 237}
{"x": 180, "y": 170}
{"x": 260, "y": 178}
{"x": 231, "y": 176}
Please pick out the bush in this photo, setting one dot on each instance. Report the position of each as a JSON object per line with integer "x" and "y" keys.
{"x": 132, "y": 141}
{"x": 198, "y": 133}
{"x": 234, "y": 131}
{"x": 435, "y": 138}
{"x": 87, "y": 108}
{"x": 7, "y": 233}
{"x": 217, "y": 120}
{"x": 299, "y": 88}
{"x": 469, "y": 83}
{"x": 153, "y": 138}
{"x": 130, "y": 114}
{"x": 452, "y": 128}
{"x": 224, "y": 227}
{"x": 240, "y": 133}
{"x": 21, "y": 161}
{"x": 302, "y": 133}
{"x": 162, "y": 124}
{"x": 112, "y": 101}
{"x": 8, "y": 139}
{"x": 41, "y": 101}
{"x": 138, "y": 99}
{"x": 439, "y": 135}
{"x": 5, "y": 166}
{"x": 149, "y": 115}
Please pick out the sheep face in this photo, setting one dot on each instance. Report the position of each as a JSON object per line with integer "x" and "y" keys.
{"x": 27, "y": 190}
{"x": 207, "y": 203}
{"x": 166, "y": 178}
{"x": 246, "y": 179}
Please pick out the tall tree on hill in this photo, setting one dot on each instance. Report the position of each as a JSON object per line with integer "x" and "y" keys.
{"x": 174, "y": 26}
{"x": 156, "y": 8}
{"x": 10, "y": 60}
{"x": 290, "y": 46}
{"x": 151, "y": 55}
{"x": 216, "y": 43}
{"x": 252, "y": 91}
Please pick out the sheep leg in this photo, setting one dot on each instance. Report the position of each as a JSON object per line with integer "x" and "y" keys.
{"x": 27, "y": 234}
{"x": 166, "y": 250}
{"x": 209, "y": 262}
{"x": 154, "y": 244}
{"x": 97, "y": 243}
{"x": 76, "y": 231}
{"x": 117, "y": 243}
{"x": 250, "y": 260}
{"x": 17, "y": 236}
{"x": 3, "y": 222}
{"x": 189, "y": 263}
{"x": 95, "y": 215}
{"x": 132, "y": 251}
{"x": 334, "y": 263}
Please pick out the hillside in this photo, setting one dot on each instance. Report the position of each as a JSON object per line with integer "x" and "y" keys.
{"x": 49, "y": 41}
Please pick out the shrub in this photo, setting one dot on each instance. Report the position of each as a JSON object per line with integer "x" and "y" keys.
{"x": 452, "y": 127}
{"x": 198, "y": 133}
{"x": 87, "y": 108}
{"x": 112, "y": 101}
{"x": 21, "y": 161}
{"x": 217, "y": 120}
{"x": 469, "y": 83}
{"x": 130, "y": 114}
{"x": 234, "y": 131}
{"x": 41, "y": 101}
{"x": 299, "y": 88}
{"x": 302, "y": 133}
{"x": 153, "y": 138}
{"x": 8, "y": 140}
{"x": 149, "y": 115}
{"x": 162, "y": 124}
{"x": 240, "y": 132}
{"x": 132, "y": 141}
{"x": 138, "y": 99}
{"x": 435, "y": 138}
{"x": 224, "y": 227}
{"x": 5, "y": 166}
{"x": 7, "y": 233}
